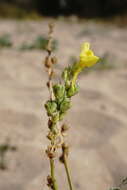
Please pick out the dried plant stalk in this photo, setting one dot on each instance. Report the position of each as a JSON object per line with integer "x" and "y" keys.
{"x": 51, "y": 150}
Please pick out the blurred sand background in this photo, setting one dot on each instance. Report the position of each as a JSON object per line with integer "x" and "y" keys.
{"x": 97, "y": 120}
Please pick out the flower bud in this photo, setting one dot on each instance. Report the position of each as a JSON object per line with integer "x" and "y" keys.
{"x": 65, "y": 74}
{"x": 51, "y": 107}
{"x": 74, "y": 89}
{"x": 67, "y": 84}
{"x": 59, "y": 91}
{"x": 61, "y": 116}
{"x": 65, "y": 105}
{"x": 55, "y": 118}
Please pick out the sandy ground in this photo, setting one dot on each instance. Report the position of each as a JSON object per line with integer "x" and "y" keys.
{"x": 98, "y": 119}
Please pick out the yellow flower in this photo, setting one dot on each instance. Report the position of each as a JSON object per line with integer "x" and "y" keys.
{"x": 87, "y": 59}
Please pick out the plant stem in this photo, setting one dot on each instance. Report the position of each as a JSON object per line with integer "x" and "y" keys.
{"x": 52, "y": 148}
{"x": 67, "y": 171}
{"x": 52, "y": 167}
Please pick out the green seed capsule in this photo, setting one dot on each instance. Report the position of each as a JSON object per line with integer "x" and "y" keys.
{"x": 51, "y": 107}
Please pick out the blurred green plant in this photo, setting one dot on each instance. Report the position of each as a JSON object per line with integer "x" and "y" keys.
{"x": 8, "y": 10}
{"x": 104, "y": 63}
{"x": 4, "y": 148}
{"x": 39, "y": 43}
{"x": 5, "y": 41}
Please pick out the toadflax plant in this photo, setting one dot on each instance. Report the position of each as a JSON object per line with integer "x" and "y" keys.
{"x": 59, "y": 102}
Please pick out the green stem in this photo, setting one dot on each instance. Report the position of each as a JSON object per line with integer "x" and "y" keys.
{"x": 52, "y": 167}
{"x": 67, "y": 172}
{"x": 75, "y": 75}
